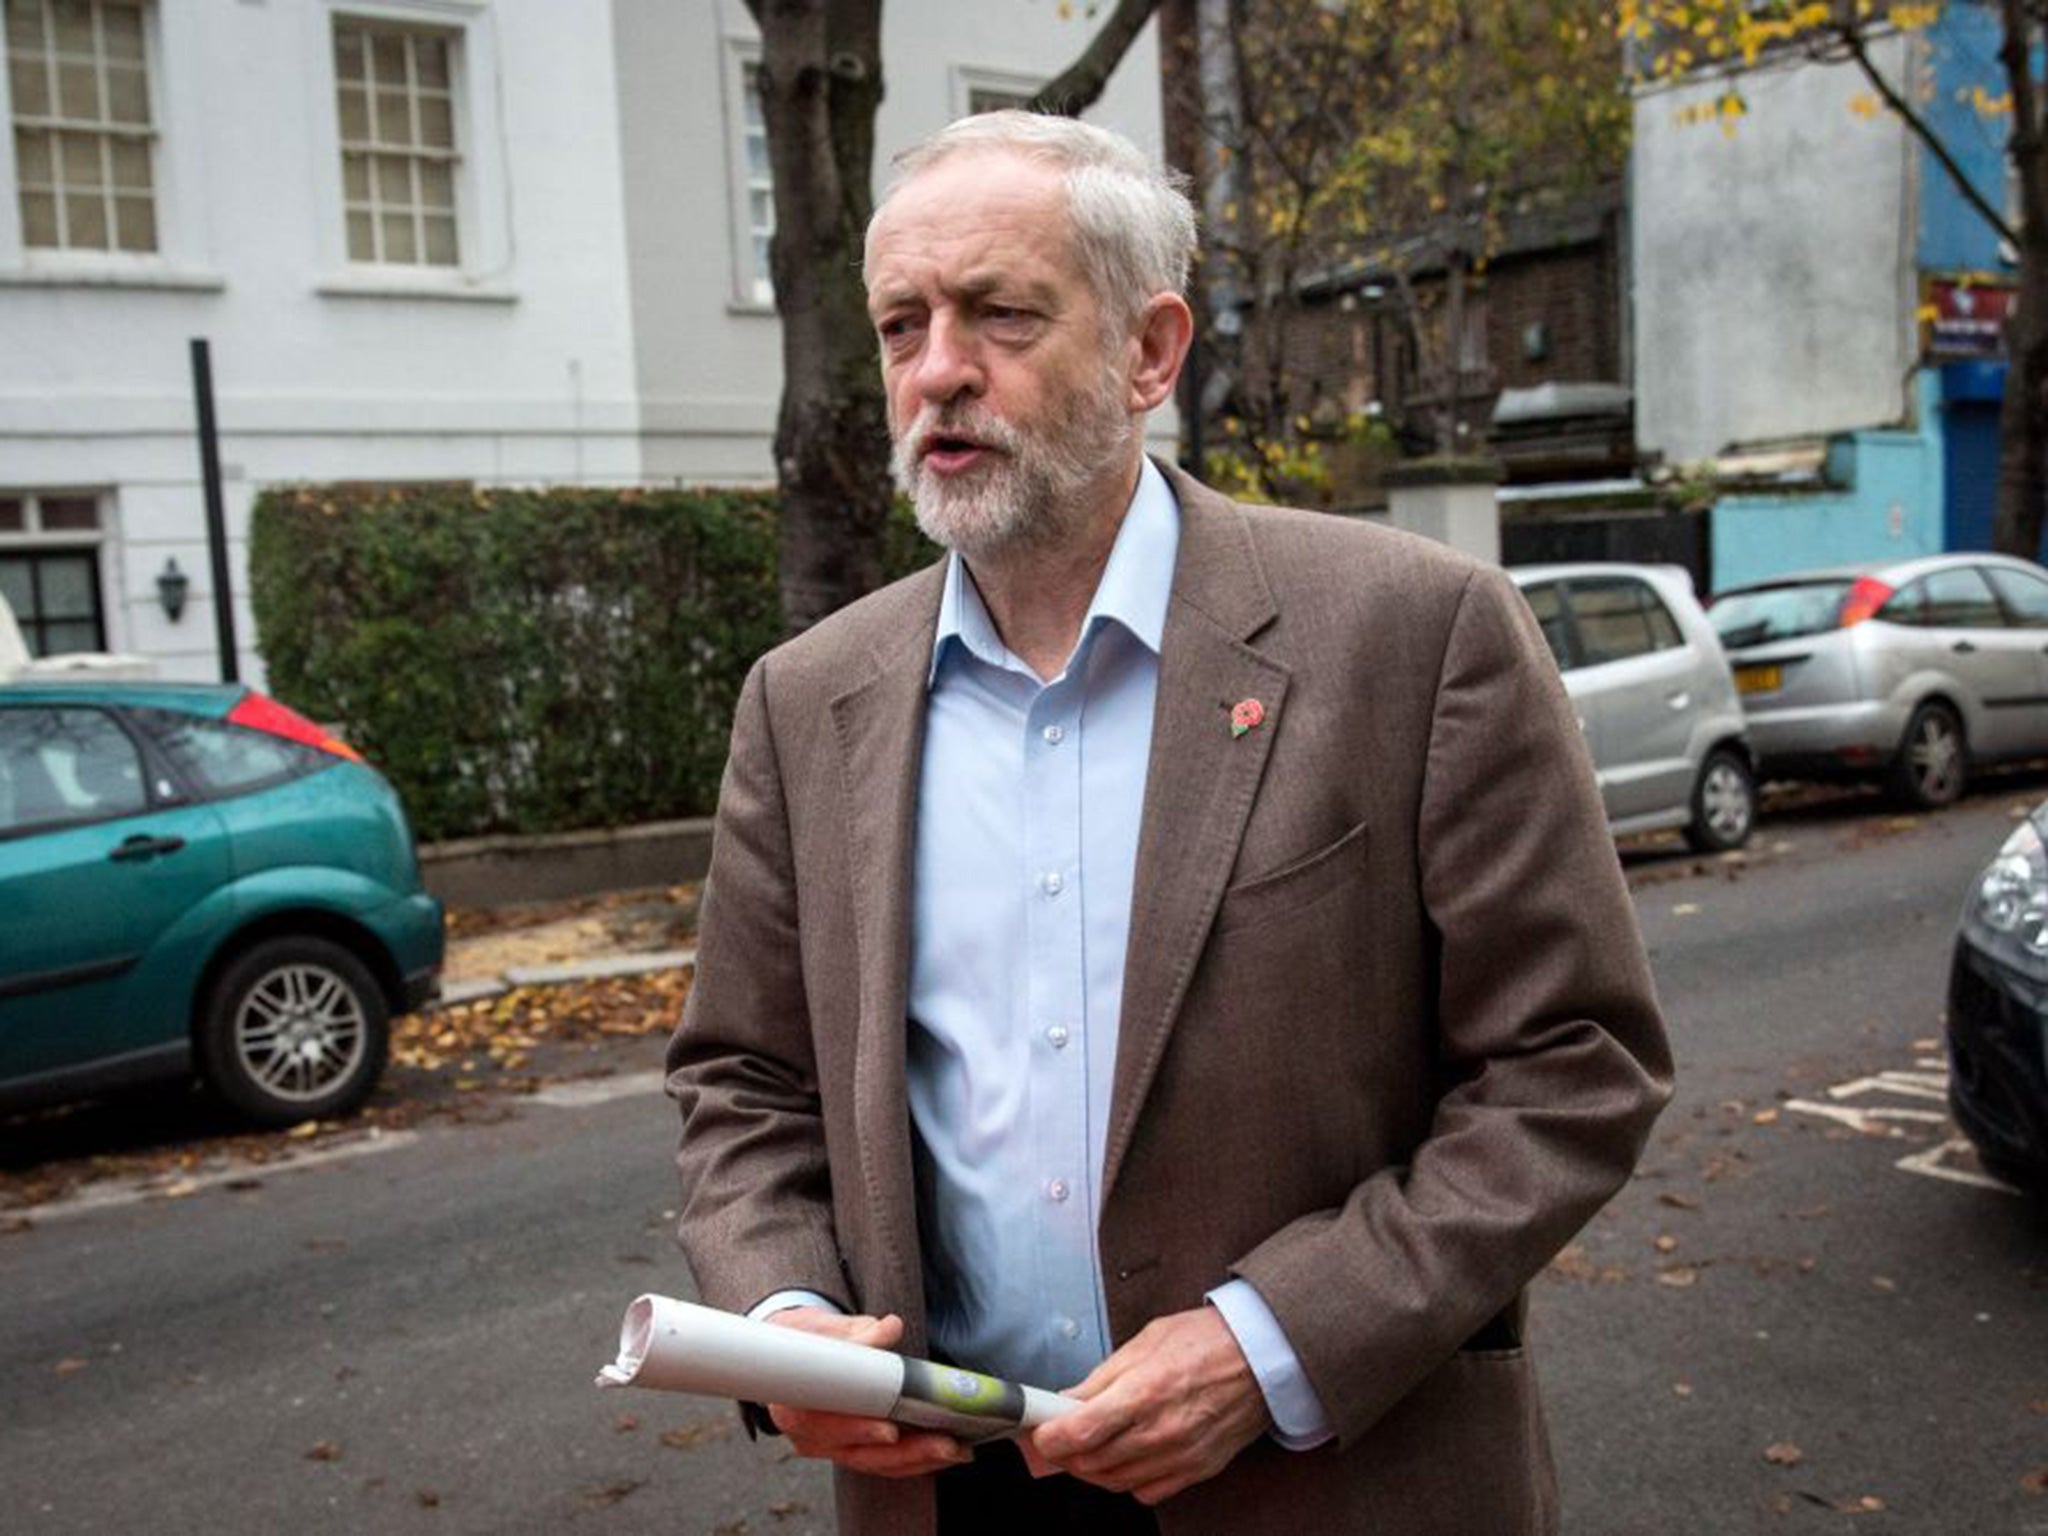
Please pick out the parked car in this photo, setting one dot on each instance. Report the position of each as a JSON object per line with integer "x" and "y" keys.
{"x": 195, "y": 877}
{"x": 1654, "y": 697}
{"x": 1909, "y": 672}
{"x": 1998, "y": 1010}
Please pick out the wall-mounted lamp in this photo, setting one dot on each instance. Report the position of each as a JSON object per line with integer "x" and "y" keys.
{"x": 171, "y": 586}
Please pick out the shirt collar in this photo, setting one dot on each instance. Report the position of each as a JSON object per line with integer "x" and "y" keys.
{"x": 1133, "y": 591}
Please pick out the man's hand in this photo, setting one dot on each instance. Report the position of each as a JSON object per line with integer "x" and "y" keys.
{"x": 1166, "y": 1411}
{"x": 875, "y": 1446}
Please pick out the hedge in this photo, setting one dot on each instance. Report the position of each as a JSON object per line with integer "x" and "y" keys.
{"x": 524, "y": 660}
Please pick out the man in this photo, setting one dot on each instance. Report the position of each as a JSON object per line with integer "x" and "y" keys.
{"x": 1170, "y": 951}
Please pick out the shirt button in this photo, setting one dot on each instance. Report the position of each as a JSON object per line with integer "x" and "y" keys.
{"x": 1069, "y": 1329}
{"x": 1051, "y": 883}
{"x": 1054, "y": 734}
{"x": 1059, "y": 1036}
{"x": 1057, "y": 1190}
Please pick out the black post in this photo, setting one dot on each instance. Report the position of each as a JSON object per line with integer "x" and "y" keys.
{"x": 216, "y": 513}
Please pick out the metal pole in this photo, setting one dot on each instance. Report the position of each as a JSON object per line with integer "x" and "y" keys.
{"x": 216, "y": 513}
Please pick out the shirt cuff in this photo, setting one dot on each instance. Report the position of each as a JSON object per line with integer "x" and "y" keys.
{"x": 1299, "y": 1422}
{"x": 782, "y": 1301}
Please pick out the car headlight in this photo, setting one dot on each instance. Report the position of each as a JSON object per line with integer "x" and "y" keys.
{"x": 2010, "y": 905}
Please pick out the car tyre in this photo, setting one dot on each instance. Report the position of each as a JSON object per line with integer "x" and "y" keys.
{"x": 294, "y": 1029}
{"x": 1723, "y": 803}
{"x": 1933, "y": 761}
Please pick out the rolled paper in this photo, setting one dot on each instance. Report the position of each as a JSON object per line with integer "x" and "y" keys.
{"x": 678, "y": 1346}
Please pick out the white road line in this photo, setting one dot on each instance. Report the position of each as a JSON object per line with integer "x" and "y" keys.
{"x": 1933, "y": 1163}
{"x": 1869, "y": 1121}
{"x": 1911, "y": 1084}
{"x": 111, "y": 1196}
{"x": 599, "y": 1090}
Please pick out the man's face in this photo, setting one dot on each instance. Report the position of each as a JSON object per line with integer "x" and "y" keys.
{"x": 1009, "y": 406}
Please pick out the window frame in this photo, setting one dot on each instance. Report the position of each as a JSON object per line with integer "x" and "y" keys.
{"x": 1641, "y": 590}
{"x": 747, "y": 293}
{"x": 966, "y": 79}
{"x": 152, "y": 798}
{"x": 93, "y": 543}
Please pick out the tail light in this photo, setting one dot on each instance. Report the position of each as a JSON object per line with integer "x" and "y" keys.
{"x": 1864, "y": 599}
{"x": 259, "y": 712}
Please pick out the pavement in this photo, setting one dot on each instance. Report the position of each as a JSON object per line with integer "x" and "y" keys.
{"x": 625, "y": 933}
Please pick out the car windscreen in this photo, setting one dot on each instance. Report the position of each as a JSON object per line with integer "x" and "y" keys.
{"x": 1786, "y": 612}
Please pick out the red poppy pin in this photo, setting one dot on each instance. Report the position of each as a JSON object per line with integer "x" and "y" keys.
{"x": 1246, "y": 715}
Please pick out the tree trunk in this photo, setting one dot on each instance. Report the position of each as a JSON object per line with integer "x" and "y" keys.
{"x": 2023, "y": 419}
{"x": 821, "y": 81}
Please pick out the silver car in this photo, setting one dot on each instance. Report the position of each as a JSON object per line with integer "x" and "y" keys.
{"x": 1908, "y": 672}
{"x": 1654, "y": 697}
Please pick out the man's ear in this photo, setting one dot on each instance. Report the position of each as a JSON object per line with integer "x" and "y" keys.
{"x": 1165, "y": 330}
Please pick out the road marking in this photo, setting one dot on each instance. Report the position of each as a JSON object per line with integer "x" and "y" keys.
{"x": 112, "y": 1196}
{"x": 1869, "y": 1121}
{"x": 584, "y": 1092}
{"x": 1934, "y": 1163}
{"x": 1917, "y": 1085}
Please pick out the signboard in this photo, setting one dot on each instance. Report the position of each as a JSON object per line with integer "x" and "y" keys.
{"x": 1962, "y": 317}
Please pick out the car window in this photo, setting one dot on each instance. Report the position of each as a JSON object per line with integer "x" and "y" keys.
{"x": 2025, "y": 595}
{"x": 1618, "y": 616}
{"x": 1786, "y": 612}
{"x": 61, "y": 765}
{"x": 1546, "y": 601}
{"x": 1957, "y": 599}
{"x": 221, "y": 759}
{"x": 1905, "y": 607}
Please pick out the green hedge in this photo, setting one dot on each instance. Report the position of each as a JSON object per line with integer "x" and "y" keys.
{"x": 524, "y": 660}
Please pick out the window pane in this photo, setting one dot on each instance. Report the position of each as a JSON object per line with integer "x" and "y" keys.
{"x": 122, "y": 26}
{"x": 74, "y": 26}
{"x": 70, "y": 514}
{"x": 355, "y": 117}
{"x": 757, "y": 158}
{"x": 355, "y": 178}
{"x": 68, "y": 589}
{"x": 437, "y": 122}
{"x": 34, "y": 161}
{"x": 63, "y": 636}
{"x": 398, "y": 241}
{"x": 222, "y": 757}
{"x": 1663, "y": 628}
{"x": 85, "y": 222}
{"x": 761, "y": 210}
{"x": 362, "y": 240}
{"x": 18, "y": 587}
{"x": 131, "y": 164}
{"x": 127, "y": 96}
{"x": 39, "y": 220}
{"x": 2025, "y": 594}
{"x": 437, "y": 184}
{"x": 394, "y": 180}
{"x": 31, "y": 86}
{"x": 78, "y": 92}
{"x": 1547, "y": 603}
{"x": 13, "y": 515}
{"x": 79, "y": 154}
{"x": 387, "y": 58}
{"x": 430, "y": 59}
{"x": 135, "y": 223}
{"x": 348, "y": 53}
{"x": 1959, "y": 599}
{"x": 394, "y": 121}
{"x": 1610, "y": 619}
{"x": 24, "y": 24}
{"x": 440, "y": 233}
{"x": 59, "y": 765}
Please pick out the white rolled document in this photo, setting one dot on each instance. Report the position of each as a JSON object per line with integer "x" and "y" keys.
{"x": 679, "y": 1346}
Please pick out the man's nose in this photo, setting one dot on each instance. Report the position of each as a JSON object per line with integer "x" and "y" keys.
{"x": 948, "y": 364}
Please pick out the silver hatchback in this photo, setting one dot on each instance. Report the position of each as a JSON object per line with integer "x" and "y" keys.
{"x": 1653, "y": 695}
{"x": 1908, "y": 672}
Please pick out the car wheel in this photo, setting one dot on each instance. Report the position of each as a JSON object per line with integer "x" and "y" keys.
{"x": 1723, "y": 803}
{"x": 294, "y": 1029}
{"x": 1932, "y": 764}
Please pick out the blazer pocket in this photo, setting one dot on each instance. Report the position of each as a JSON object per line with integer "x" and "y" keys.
{"x": 1294, "y": 887}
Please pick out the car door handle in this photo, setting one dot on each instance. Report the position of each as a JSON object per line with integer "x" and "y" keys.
{"x": 1964, "y": 648}
{"x": 142, "y": 846}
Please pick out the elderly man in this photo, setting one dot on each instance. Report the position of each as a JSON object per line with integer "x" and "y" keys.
{"x": 1170, "y": 951}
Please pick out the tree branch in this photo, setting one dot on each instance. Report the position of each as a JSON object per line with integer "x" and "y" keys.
{"x": 1083, "y": 82}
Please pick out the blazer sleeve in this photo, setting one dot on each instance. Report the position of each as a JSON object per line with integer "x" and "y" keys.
{"x": 1551, "y": 1052}
{"x": 757, "y": 1203}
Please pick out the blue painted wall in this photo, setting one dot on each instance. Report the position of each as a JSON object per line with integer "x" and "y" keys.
{"x": 1887, "y": 504}
{"x": 1964, "y": 49}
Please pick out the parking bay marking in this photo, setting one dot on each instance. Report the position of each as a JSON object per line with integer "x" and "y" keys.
{"x": 1929, "y": 1081}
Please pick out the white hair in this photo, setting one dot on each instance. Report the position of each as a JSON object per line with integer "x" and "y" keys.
{"x": 1134, "y": 228}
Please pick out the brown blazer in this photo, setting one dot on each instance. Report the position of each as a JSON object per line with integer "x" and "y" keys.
{"x": 1388, "y": 1034}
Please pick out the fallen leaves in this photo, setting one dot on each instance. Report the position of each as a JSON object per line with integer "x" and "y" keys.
{"x": 324, "y": 1450}
{"x": 1678, "y": 1202}
{"x": 2035, "y": 1481}
{"x": 71, "y": 1365}
{"x": 1783, "y": 1453}
{"x": 1679, "y": 1276}
{"x": 697, "y": 1432}
{"x": 604, "y": 1495}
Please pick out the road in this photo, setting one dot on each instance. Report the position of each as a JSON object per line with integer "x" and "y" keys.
{"x": 1774, "y": 1325}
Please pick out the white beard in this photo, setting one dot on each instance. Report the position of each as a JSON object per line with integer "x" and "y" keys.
{"x": 1030, "y": 492}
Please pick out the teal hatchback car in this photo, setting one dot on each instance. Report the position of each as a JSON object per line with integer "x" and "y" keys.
{"x": 197, "y": 879}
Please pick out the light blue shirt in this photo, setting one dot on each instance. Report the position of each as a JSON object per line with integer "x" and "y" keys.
{"x": 1027, "y": 844}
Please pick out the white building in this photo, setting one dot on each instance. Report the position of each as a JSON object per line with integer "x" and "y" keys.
{"x": 496, "y": 241}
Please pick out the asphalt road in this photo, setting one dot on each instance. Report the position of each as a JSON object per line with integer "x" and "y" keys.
{"x": 405, "y": 1340}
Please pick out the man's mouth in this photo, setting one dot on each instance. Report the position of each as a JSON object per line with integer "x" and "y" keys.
{"x": 950, "y": 452}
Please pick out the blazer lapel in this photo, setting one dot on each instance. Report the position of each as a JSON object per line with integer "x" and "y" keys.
{"x": 1200, "y": 784}
{"x": 879, "y": 723}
